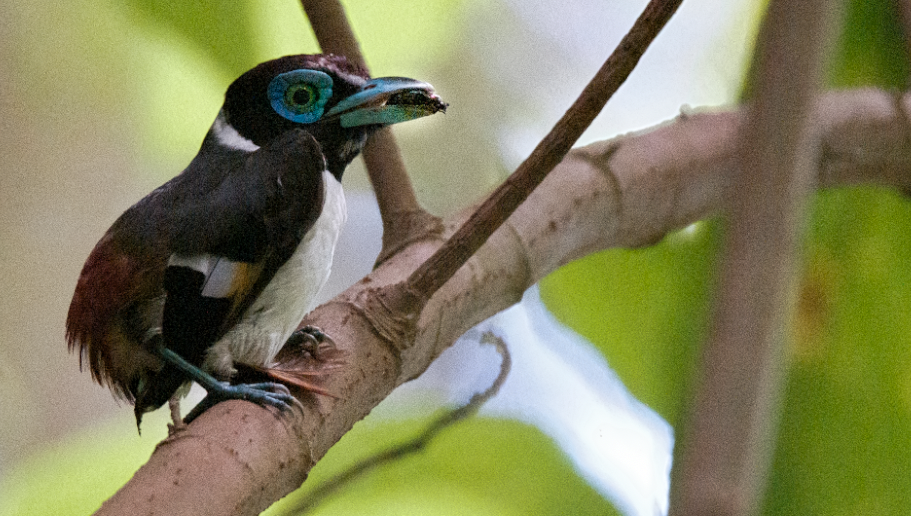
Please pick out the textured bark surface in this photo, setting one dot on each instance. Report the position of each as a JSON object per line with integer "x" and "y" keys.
{"x": 631, "y": 191}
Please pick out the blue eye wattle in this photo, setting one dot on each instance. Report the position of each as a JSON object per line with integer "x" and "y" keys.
{"x": 300, "y": 95}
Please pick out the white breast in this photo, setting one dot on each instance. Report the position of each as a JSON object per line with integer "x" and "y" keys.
{"x": 267, "y": 324}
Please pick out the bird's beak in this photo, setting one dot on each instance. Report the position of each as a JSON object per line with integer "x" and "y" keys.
{"x": 385, "y": 101}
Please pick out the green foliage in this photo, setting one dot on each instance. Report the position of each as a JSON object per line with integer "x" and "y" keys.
{"x": 644, "y": 308}
{"x": 845, "y": 438}
{"x": 845, "y": 434}
{"x": 479, "y": 467}
{"x": 223, "y": 31}
{"x": 75, "y": 475}
{"x": 872, "y": 48}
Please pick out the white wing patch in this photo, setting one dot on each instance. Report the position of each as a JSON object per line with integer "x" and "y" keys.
{"x": 220, "y": 272}
{"x": 221, "y": 280}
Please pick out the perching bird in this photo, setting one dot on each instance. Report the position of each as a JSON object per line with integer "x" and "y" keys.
{"x": 218, "y": 266}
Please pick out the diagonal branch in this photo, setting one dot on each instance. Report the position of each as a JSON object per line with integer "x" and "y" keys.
{"x": 411, "y": 296}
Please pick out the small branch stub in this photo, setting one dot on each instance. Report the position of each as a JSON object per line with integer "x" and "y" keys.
{"x": 393, "y": 311}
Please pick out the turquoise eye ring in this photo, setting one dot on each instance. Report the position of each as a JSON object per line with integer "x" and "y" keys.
{"x": 285, "y": 90}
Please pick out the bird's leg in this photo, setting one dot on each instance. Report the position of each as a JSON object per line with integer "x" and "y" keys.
{"x": 309, "y": 338}
{"x": 177, "y": 423}
{"x": 265, "y": 394}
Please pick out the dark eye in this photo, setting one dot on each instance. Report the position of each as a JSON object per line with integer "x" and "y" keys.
{"x": 300, "y": 95}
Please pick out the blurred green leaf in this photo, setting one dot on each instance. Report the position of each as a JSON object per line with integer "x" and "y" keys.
{"x": 222, "y": 30}
{"x": 480, "y": 466}
{"x": 75, "y": 475}
{"x": 845, "y": 430}
{"x": 644, "y": 308}
{"x": 872, "y": 49}
{"x": 845, "y": 438}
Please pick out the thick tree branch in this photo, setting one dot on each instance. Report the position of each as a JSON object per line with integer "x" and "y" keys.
{"x": 332, "y": 30}
{"x": 415, "y": 445}
{"x": 403, "y": 218}
{"x": 238, "y": 458}
{"x": 728, "y": 442}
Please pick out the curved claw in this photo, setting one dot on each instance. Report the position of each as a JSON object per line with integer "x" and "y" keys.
{"x": 309, "y": 338}
{"x": 266, "y": 394}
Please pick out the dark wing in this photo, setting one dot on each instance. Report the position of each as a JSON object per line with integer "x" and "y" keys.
{"x": 227, "y": 247}
{"x": 114, "y": 286}
{"x": 253, "y": 222}
{"x": 118, "y": 296}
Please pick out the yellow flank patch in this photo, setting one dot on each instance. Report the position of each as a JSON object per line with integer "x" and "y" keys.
{"x": 228, "y": 279}
{"x": 245, "y": 276}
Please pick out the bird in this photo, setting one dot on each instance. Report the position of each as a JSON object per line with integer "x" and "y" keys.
{"x": 215, "y": 269}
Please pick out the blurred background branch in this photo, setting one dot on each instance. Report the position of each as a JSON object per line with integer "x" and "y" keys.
{"x": 403, "y": 218}
{"x": 728, "y": 440}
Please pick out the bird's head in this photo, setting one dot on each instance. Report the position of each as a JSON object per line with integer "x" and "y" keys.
{"x": 332, "y": 99}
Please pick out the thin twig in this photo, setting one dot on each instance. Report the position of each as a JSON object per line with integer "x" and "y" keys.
{"x": 419, "y": 443}
{"x": 394, "y": 191}
{"x": 728, "y": 443}
{"x": 435, "y": 271}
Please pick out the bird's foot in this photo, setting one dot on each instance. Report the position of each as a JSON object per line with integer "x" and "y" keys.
{"x": 266, "y": 394}
{"x": 309, "y": 339}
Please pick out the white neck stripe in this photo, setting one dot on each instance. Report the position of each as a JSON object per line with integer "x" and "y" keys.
{"x": 229, "y": 137}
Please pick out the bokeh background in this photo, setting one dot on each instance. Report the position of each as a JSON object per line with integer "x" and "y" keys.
{"x": 102, "y": 101}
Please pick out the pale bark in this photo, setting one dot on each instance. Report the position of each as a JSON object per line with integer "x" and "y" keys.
{"x": 238, "y": 458}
